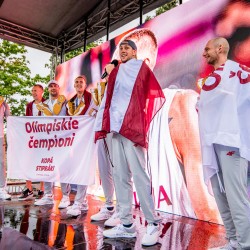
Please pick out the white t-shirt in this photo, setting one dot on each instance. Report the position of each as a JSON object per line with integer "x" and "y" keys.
{"x": 35, "y": 111}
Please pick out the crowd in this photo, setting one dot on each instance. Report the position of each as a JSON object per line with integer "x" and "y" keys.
{"x": 124, "y": 107}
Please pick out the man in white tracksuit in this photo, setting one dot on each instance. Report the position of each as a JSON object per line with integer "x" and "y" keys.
{"x": 132, "y": 98}
{"x": 225, "y": 139}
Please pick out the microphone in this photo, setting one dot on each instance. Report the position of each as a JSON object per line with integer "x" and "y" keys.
{"x": 115, "y": 62}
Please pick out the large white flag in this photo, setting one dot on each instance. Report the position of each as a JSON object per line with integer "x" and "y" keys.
{"x": 52, "y": 149}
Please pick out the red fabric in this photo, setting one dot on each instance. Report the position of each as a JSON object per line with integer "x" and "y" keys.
{"x": 29, "y": 110}
{"x": 146, "y": 100}
{"x": 87, "y": 100}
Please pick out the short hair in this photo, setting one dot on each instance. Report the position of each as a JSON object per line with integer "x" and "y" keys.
{"x": 130, "y": 43}
{"x": 39, "y": 86}
{"x": 144, "y": 39}
{"x": 223, "y": 42}
{"x": 83, "y": 77}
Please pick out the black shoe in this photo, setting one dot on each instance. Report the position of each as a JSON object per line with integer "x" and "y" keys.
{"x": 40, "y": 194}
{"x": 26, "y": 195}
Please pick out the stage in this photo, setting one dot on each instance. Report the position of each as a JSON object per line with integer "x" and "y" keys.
{"x": 25, "y": 226}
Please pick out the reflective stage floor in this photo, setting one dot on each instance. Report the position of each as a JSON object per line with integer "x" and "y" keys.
{"x": 25, "y": 226}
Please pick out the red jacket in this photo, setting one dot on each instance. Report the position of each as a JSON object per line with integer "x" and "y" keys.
{"x": 29, "y": 111}
{"x": 87, "y": 100}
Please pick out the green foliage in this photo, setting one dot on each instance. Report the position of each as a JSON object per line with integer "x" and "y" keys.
{"x": 73, "y": 53}
{"x": 164, "y": 8}
{"x": 79, "y": 51}
{"x": 15, "y": 80}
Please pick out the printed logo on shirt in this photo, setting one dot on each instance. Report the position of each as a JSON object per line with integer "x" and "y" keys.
{"x": 230, "y": 153}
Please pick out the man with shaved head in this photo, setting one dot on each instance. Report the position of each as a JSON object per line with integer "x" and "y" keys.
{"x": 216, "y": 51}
{"x": 225, "y": 131}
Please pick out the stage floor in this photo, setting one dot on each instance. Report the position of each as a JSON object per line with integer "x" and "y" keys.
{"x": 25, "y": 226}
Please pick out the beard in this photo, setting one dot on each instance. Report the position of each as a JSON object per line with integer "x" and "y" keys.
{"x": 211, "y": 60}
{"x": 54, "y": 94}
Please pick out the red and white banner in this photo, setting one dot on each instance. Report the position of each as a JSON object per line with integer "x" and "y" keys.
{"x": 52, "y": 149}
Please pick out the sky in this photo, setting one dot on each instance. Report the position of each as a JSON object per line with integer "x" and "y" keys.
{"x": 38, "y": 58}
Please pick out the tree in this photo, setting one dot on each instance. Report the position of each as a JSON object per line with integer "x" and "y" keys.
{"x": 164, "y": 8}
{"x": 15, "y": 80}
{"x": 79, "y": 51}
{"x": 14, "y": 75}
{"x": 167, "y": 6}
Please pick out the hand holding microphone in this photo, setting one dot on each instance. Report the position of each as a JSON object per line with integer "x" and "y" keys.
{"x": 109, "y": 68}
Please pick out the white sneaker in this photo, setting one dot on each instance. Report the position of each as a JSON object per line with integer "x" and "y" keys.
{"x": 74, "y": 210}
{"x": 103, "y": 214}
{"x": 46, "y": 200}
{"x": 151, "y": 236}
{"x": 113, "y": 221}
{"x": 4, "y": 195}
{"x": 83, "y": 206}
{"x": 120, "y": 232}
{"x": 65, "y": 202}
